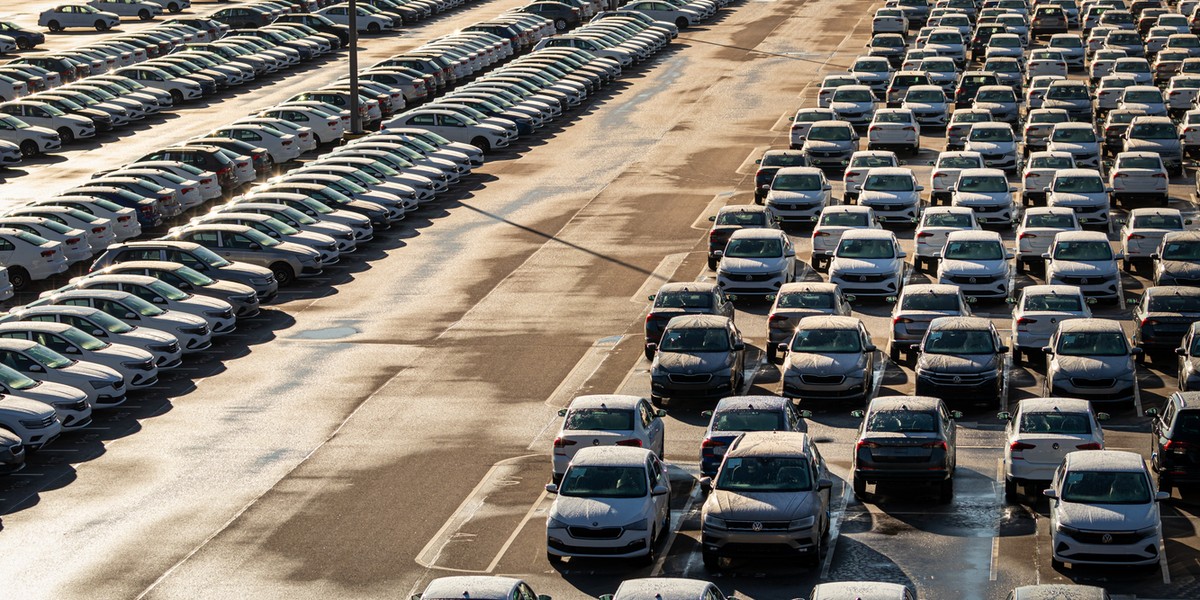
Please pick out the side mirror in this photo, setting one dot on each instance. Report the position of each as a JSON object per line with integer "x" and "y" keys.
{"x": 97, "y": 332}
{"x": 1155, "y": 256}
{"x": 1046, "y": 255}
{"x": 1012, "y": 188}
{"x": 718, "y": 253}
{"x": 254, "y": 246}
{"x": 71, "y": 350}
{"x": 1051, "y": 494}
{"x": 739, "y": 346}
{"x": 1104, "y": 416}
{"x": 707, "y": 414}
{"x": 1048, "y": 350}
{"x": 1162, "y": 495}
{"x": 130, "y": 315}
{"x": 712, "y": 218}
{"x": 706, "y": 484}
{"x": 1109, "y": 189}
{"x": 159, "y": 300}
{"x": 550, "y": 487}
{"x": 870, "y": 348}
{"x": 1181, "y": 351}
{"x": 562, "y": 412}
{"x": 651, "y": 297}
{"x": 937, "y": 253}
{"x": 660, "y": 490}
{"x": 1001, "y": 349}
{"x": 660, "y": 413}
{"x": 1009, "y": 256}
{"x": 1004, "y": 416}
{"x": 781, "y": 348}
{"x": 36, "y": 368}
{"x": 901, "y": 254}
{"x": 920, "y": 188}
{"x": 1136, "y": 351}
{"x": 1151, "y": 412}
{"x": 857, "y": 414}
{"x": 824, "y": 484}
{"x": 651, "y": 348}
{"x": 415, "y": 597}
{"x": 790, "y": 252}
{"x": 826, "y": 187}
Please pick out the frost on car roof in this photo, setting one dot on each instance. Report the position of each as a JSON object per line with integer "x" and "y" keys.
{"x": 756, "y": 402}
{"x": 1054, "y": 405}
{"x": 808, "y": 286}
{"x": 770, "y": 443}
{"x": 613, "y": 456}
{"x": 959, "y": 323}
{"x": 904, "y": 403}
{"x": 1058, "y": 591}
{"x": 858, "y": 590}
{"x": 473, "y": 586}
{"x": 697, "y": 322}
{"x": 828, "y": 322}
{"x": 661, "y": 588}
{"x": 1102, "y": 325}
{"x": 1172, "y": 290}
{"x": 1104, "y": 460}
{"x": 607, "y": 400}
{"x": 688, "y": 286}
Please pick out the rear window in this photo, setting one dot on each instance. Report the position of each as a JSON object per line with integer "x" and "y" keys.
{"x": 940, "y": 302}
{"x": 902, "y": 421}
{"x": 1187, "y": 426}
{"x": 600, "y": 419}
{"x": 683, "y": 300}
{"x": 822, "y": 300}
{"x": 1056, "y": 423}
{"x": 748, "y": 420}
{"x": 1173, "y": 303}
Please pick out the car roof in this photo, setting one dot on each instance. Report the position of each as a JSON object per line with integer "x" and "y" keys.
{"x": 613, "y": 456}
{"x": 770, "y": 443}
{"x": 799, "y": 171}
{"x": 697, "y": 322}
{"x": 1101, "y": 325}
{"x": 905, "y": 171}
{"x": 757, "y": 233}
{"x": 605, "y": 401}
{"x": 1059, "y": 591}
{"x": 981, "y": 171}
{"x": 972, "y": 323}
{"x": 15, "y": 344}
{"x": 846, "y": 208}
{"x": 808, "y": 286}
{"x": 929, "y": 288}
{"x": 688, "y": 286}
{"x": 1081, "y": 236}
{"x": 1077, "y": 173}
{"x": 1062, "y": 290}
{"x": 757, "y": 402}
{"x": 1187, "y": 236}
{"x": 858, "y": 590}
{"x": 869, "y": 234}
{"x": 1054, "y": 405}
{"x": 948, "y": 210}
{"x": 662, "y": 588}
{"x": 828, "y": 322}
{"x": 1172, "y": 290}
{"x": 903, "y": 403}
{"x": 975, "y": 235}
{"x": 1157, "y": 210}
{"x": 1104, "y": 460}
{"x": 470, "y": 586}
{"x": 165, "y": 265}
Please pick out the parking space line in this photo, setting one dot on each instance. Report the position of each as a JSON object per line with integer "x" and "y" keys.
{"x": 998, "y": 488}
{"x": 673, "y": 532}
{"x": 702, "y": 223}
{"x": 516, "y": 531}
{"x": 662, "y": 274}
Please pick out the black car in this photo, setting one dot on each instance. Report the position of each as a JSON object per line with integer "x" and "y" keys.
{"x": 563, "y": 15}
{"x": 239, "y": 17}
{"x": 961, "y": 358}
{"x": 1163, "y": 315}
{"x": 905, "y": 439}
{"x": 769, "y": 164}
{"x": 686, "y": 298}
{"x": 319, "y": 23}
{"x": 208, "y": 158}
{"x": 26, "y": 38}
{"x": 1175, "y": 440}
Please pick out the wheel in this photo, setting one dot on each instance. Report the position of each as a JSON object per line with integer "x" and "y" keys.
{"x": 712, "y": 264}
{"x": 847, "y": 198}
{"x": 372, "y": 27}
{"x": 1126, "y": 264}
{"x": 946, "y": 491}
{"x": 24, "y": 43}
{"x": 712, "y": 562}
{"x": 651, "y": 556}
{"x": 176, "y": 97}
{"x": 758, "y": 199}
{"x": 1020, "y": 267}
{"x": 18, "y": 277}
{"x": 649, "y": 354}
{"x": 894, "y": 352}
{"x": 174, "y": 7}
{"x": 1164, "y": 484}
{"x": 482, "y": 144}
{"x": 656, "y": 400}
{"x": 1057, "y": 564}
{"x": 560, "y": 24}
{"x": 772, "y": 352}
{"x": 284, "y": 273}
{"x": 66, "y": 135}
{"x": 915, "y": 150}
{"x": 145, "y": 15}
{"x": 1010, "y": 491}
{"x": 101, "y": 25}
{"x": 860, "y": 488}
{"x": 681, "y": 23}
{"x": 554, "y": 558}
{"x": 29, "y": 148}
{"x": 54, "y": 26}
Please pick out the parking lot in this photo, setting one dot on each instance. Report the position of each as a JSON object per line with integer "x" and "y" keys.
{"x": 390, "y": 421}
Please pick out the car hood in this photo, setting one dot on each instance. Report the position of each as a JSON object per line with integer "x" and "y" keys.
{"x": 125, "y": 352}
{"x": 957, "y": 363}
{"x": 24, "y": 407}
{"x": 197, "y": 302}
{"x": 982, "y": 198}
{"x": 1083, "y": 269}
{"x": 996, "y": 106}
{"x": 850, "y": 106}
{"x": 700, "y": 362}
{"x": 243, "y": 269}
{"x": 825, "y": 364}
{"x": 90, "y": 370}
{"x": 824, "y": 146}
{"x": 992, "y": 147}
{"x": 51, "y": 393}
{"x": 751, "y": 265}
{"x": 590, "y": 512}
{"x": 761, "y": 506}
{"x": 868, "y": 197}
{"x": 1093, "y": 367}
{"x": 1071, "y": 199}
{"x": 854, "y": 265}
{"x": 1107, "y": 517}
{"x": 1077, "y": 147}
{"x": 227, "y": 288}
{"x": 151, "y": 335}
{"x": 794, "y": 196}
{"x": 972, "y": 267}
{"x": 925, "y": 105}
{"x": 1181, "y": 268}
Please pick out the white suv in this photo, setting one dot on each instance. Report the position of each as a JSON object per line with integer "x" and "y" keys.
{"x": 868, "y": 262}
{"x": 977, "y": 263}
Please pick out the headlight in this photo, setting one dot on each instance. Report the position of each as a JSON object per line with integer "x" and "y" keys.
{"x": 714, "y": 522}
{"x": 134, "y": 364}
{"x": 1147, "y": 531}
{"x": 99, "y": 383}
{"x": 552, "y": 523}
{"x": 805, "y": 523}
{"x": 638, "y": 525}
{"x": 1065, "y": 530}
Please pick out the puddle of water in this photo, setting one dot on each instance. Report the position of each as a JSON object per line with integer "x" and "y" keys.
{"x": 328, "y": 333}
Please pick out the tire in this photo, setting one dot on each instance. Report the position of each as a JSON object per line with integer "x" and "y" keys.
{"x": 176, "y": 97}
{"x": 560, "y": 24}
{"x": 651, "y": 555}
{"x": 554, "y": 559}
{"x": 1126, "y": 264}
{"x": 712, "y": 562}
{"x": 656, "y": 400}
{"x": 101, "y": 25}
{"x": 372, "y": 27}
{"x": 814, "y": 561}
{"x": 894, "y": 352}
{"x": 772, "y": 353}
{"x": 30, "y": 148}
{"x": 1010, "y": 491}
{"x": 173, "y": 7}
{"x": 681, "y": 23}
{"x": 54, "y": 26}
{"x": 1057, "y": 564}
{"x": 860, "y": 488}
{"x": 482, "y": 144}
{"x": 18, "y": 277}
{"x": 284, "y": 273}
{"x": 649, "y": 354}
{"x": 24, "y": 43}
{"x": 66, "y": 135}
{"x": 712, "y": 264}
{"x": 145, "y": 15}
{"x": 946, "y": 491}
{"x": 1164, "y": 484}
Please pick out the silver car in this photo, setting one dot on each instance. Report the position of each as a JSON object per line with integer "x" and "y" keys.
{"x": 196, "y": 257}
{"x": 771, "y": 495}
{"x": 1037, "y": 313}
{"x": 796, "y": 301}
{"x": 1091, "y": 359}
{"x": 242, "y": 298}
{"x": 830, "y": 144}
{"x": 917, "y": 306}
{"x": 1086, "y": 260}
{"x": 287, "y": 261}
{"x": 893, "y": 193}
{"x": 829, "y": 357}
{"x": 164, "y": 346}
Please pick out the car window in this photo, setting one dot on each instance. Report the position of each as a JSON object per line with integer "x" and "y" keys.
{"x": 600, "y": 419}
{"x": 901, "y": 421}
{"x": 646, "y": 415}
{"x": 604, "y": 482}
{"x": 1055, "y": 422}
{"x": 748, "y": 419}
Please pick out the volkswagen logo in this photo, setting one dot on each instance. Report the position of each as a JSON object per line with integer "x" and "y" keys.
{"x": 595, "y": 524}
{"x": 862, "y": 277}
{"x": 1083, "y": 280}
{"x": 972, "y": 280}
{"x": 957, "y": 379}
{"x": 1106, "y": 538}
{"x": 595, "y": 442}
{"x": 757, "y": 526}
{"x": 749, "y": 278}
{"x": 1053, "y": 320}
{"x": 1055, "y": 446}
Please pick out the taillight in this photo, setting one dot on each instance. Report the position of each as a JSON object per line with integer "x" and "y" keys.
{"x": 72, "y": 240}
{"x": 774, "y": 318}
{"x": 899, "y": 320}
{"x": 852, "y": 174}
{"x": 938, "y": 444}
{"x": 287, "y": 142}
{"x": 223, "y": 171}
{"x": 242, "y": 164}
{"x": 186, "y": 190}
{"x": 924, "y": 234}
{"x": 1177, "y": 447}
{"x": 820, "y": 234}
{"x": 560, "y": 446}
{"x": 1135, "y": 236}
{"x": 708, "y": 445}
{"x": 1089, "y": 446}
{"x": 865, "y": 444}
{"x": 630, "y": 442}
{"x": 1025, "y": 321}
{"x": 123, "y": 218}
{"x": 1019, "y": 446}
{"x": 1149, "y": 322}
{"x": 97, "y": 230}
{"x": 47, "y": 253}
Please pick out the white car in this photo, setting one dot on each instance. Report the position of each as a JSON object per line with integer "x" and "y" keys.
{"x": 191, "y": 331}
{"x": 142, "y": 9}
{"x": 73, "y": 242}
{"x": 1083, "y": 191}
{"x": 1086, "y": 260}
{"x": 180, "y": 88}
{"x": 34, "y": 421}
{"x": 282, "y": 147}
{"x": 947, "y": 42}
{"x": 873, "y": 71}
{"x": 77, "y": 15}
{"x": 455, "y": 127}
{"x": 929, "y": 105}
{"x": 117, "y": 223}
{"x": 861, "y": 162}
{"x": 1138, "y": 176}
{"x": 1080, "y": 140}
{"x": 43, "y": 114}
{"x": 977, "y": 263}
{"x": 1135, "y": 67}
{"x": 756, "y": 262}
{"x": 936, "y": 223}
{"x": 206, "y": 181}
{"x": 1035, "y": 92}
{"x": 666, "y": 12}
{"x": 1143, "y": 232}
{"x": 217, "y": 314}
{"x": 987, "y": 193}
{"x": 1045, "y": 62}
{"x": 894, "y": 128}
{"x": 604, "y": 489}
{"x": 606, "y": 420}
{"x": 1038, "y": 124}
{"x": 1109, "y": 89}
{"x": 99, "y": 230}
{"x": 346, "y": 236}
{"x": 1040, "y": 434}
{"x": 868, "y": 262}
{"x": 889, "y": 20}
{"x": 136, "y": 365}
{"x": 1181, "y": 92}
{"x": 1146, "y": 98}
{"x": 946, "y": 170}
{"x": 1001, "y": 101}
{"x": 798, "y": 194}
{"x": 304, "y": 137}
{"x": 893, "y": 192}
{"x": 105, "y": 388}
{"x": 854, "y": 104}
{"x": 31, "y": 140}
{"x": 1071, "y": 47}
{"x": 942, "y": 70}
{"x": 1037, "y": 313}
{"x": 327, "y": 128}
{"x": 996, "y": 143}
{"x": 830, "y": 84}
{"x": 165, "y": 347}
{"x": 30, "y": 257}
{"x": 1102, "y": 63}
{"x": 366, "y": 21}
{"x": 1039, "y": 172}
{"x": 961, "y": 121}
{"x": 1035, "y": 234}
{"x": 187, "y": 191}
{"x": 833, "y": 223}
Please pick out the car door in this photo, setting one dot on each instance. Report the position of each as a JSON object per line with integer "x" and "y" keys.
{"x": 7, "y": 250}
{"x": 658, "y": 476}
{"x": 950, "y": 430}
{"x": 653, "y": 425}
{"x": 18, "y": 361}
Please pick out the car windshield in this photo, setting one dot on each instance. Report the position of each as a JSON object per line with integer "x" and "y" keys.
{"x": 754, "y": 248}
{"x": 83, "y": 340}
{"x": 939, "y": 66}
{"x": 987, "y": 184}
{"x": 1105, "y": 487}
{"x": 948, "y": 219}
{"x": 796, "y": 182}
{"x": 889, "y": 183}
{"x": 1181, "y": 251}
{"x": 888, "y": 42}
{"x": 1092, "y": 343}
{"x": 604, "y": 482}
{"x": 902, "y": 421}
{"x": 193, "y": 276}
{"x": 959, "y": 341}
{"x": 141, "y": 307}
{"x": 167, "y": 291}
{"x": 959, "y": 162}
{"x": 259, "y": 237}
{"x": 748, "y": 419}
{"x": 830, "y": 134}
{"x": 683, "y": 300}
{"x": 836, "y": 341}
{"x": 1079, "y": 185}
{"x": 974, "y": 250}
{"x": 765, "y": 474}
{"x": 1174, "y": 303}
{"x": 872, "y": 66}
{"x": 1053, "y": 302}
{"x": 870, "y": 248}
{"x": 694, "y": 340}
{"x": 1056, "y": 423}
{"x": 996, "y": 96}
{"x": 1140, "y": 162}
{"x": 853, "y": 95}
{"x": 810, "y": 117}
{"x": 1083, "y": 251}
{"x": 1083, "y": 135}
{"x": 845, "y": 219}
{"x": 819, "y": 300}
{"x": 971, "y": 117}
{"x": 47, "y": 357}
{"x": 991, "y": 134}
{"x": 109, "y": 323}
{"x": 1003, "y": 66}
{"x": 14, "y": 380}
{"x": 930, "y": 301}
{"x": 925, "y": 96}
{"x": 783, "y": 160}
{"x": 1154, "y": 131}
{"x": 600, "y": 419}
{"x": 208, "y": 257}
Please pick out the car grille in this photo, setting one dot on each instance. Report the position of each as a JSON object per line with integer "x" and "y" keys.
{"x": 866, "y": 277}
{"x": 1068, "y": 280}
{"x": 793, "y": 206}
{"x": 956, "y": 378}
{"x": 981, "y": 209}
{"x": 117, "y": 385}
{"x": 994, "y": 156}
{"x": 824, "y": 154}
{"x": 1115, "y": 537}
{"x": 823, "y": 379}
{"x": 1092, "y": 383}
{"x": 762, "y": 525}
{"x": 1082, "y": 209}
{"x": 78, "y": 406}
{"x": 972, "y": 279}
{"x": 683, "y": 378}
{"x": 588, "y": 533}
{"x": 170, "y": 348}
{"x": 890, "y": 207}
{"x": 750, "y": 276}
{"x": 143, "y": 366}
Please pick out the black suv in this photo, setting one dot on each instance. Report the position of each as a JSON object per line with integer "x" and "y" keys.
{"x": 1175, "y": 440}
{"x": 905, "y": 439}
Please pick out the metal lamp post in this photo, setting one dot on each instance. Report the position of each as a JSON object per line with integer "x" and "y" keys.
{"x": 355, "y": 118}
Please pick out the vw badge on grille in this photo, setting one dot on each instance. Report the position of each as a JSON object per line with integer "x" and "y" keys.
{"x": 957, "y": 379}
{"x": 862, "y": 277}
{"x": 595, "y": 442}
{"x": 757, "y": 526}
{"x": 971, "y": 280}
{"x": 1055, "y": 446}
{"x": 1083, "y": 280}
{"x": 749, "y": 278}
{"x": 1106, "y": 538}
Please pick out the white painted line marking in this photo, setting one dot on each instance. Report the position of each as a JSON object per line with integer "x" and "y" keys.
{"x": 676, "y": 521}
{"x": 702, "y": 223}
{"x": 835, "y": 529}
{"x": 661, "y": 274}
{"x": 999, "y": 489}
{"x": 516, "y": 531}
